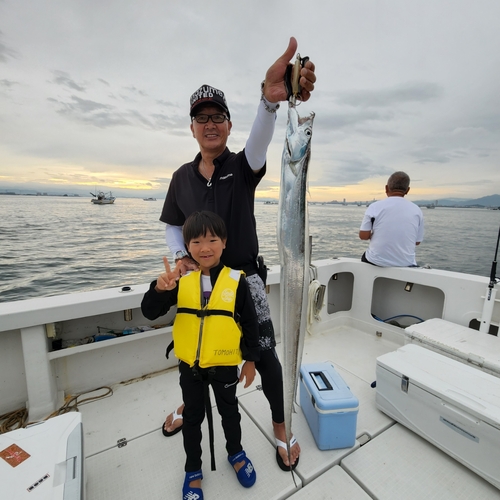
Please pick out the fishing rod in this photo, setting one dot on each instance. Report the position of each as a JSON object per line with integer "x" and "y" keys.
{"x": 493, "y": 274}
{"x": 489, "y": 302}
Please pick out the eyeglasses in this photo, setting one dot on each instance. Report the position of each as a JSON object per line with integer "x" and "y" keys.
{"x": 217, "y": 118}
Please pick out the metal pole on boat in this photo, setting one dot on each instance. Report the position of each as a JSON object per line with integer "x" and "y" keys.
{"x": 491, "y": 291}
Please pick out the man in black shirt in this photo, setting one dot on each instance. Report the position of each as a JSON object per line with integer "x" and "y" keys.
{"x": 224, "y": 182}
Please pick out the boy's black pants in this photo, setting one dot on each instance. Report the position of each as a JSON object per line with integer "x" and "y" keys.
{"x": 223, "y": 380}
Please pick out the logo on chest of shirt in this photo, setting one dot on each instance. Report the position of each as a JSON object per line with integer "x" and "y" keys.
{"x": 225, "y": 177}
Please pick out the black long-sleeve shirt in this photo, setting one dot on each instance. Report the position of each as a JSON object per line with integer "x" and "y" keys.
{"x": 231, "y": 195}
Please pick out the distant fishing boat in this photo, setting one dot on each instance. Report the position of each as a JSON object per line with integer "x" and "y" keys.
{"x": 102, "y": 198}
{"x": 149, "y": 199}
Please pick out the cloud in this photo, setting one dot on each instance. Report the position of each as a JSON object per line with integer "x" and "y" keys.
{"x": 349, "y": 119}
{"x": 105, "y": 115}
{"x": 135, "y": 90}
{"x": 415, "y": 91}
{"x": 167, "y": 121}
{"x": 90, "y": 112}
{"x": 161, "y": 102}
{"x": 376, "y": 133}
{"x": 86, "y": 106}
{"x": 268, "y": 183}
{"x": 349, "y": 171}
{"x": 443, "y": 154}
{"x": 8, "y": 84}
{"x": 470, "y": 136}
{"x": 487, "y": 121}
{"x": 5, "y": 51}
{"x": 483, "y": 153}
{"x": 161, "y": 180}
{"x": 431, "y": 155}
{"x": 334, "y": 126}
{"x": 383, "y": 98}
{"x": 63, "y": 78}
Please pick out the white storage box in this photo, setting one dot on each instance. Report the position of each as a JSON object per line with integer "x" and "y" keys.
{"x": 452, "y": 405}
{"x": 458, "y": 342}
{"x": 330, "y": 408}
{"x": 44, "y": 461}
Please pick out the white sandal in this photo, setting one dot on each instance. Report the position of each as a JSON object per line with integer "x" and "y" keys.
{"x": 175, "y": 416}
{"x": 280, "y": 461}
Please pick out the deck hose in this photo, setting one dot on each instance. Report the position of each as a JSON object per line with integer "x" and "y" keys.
{"x": 316, "y": 296}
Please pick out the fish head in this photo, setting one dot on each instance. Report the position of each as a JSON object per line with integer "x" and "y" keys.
{"x": 298, "y": 134}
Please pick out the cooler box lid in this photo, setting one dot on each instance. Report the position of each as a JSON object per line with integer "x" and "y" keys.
{"x": 472, "y": 390}
{"x": 472, "y": 346}
{"x": 327, "y": 387}
{"x": 44, "y": 460}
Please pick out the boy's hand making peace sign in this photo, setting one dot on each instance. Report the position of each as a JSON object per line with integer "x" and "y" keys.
{"x": 168, "y": 280}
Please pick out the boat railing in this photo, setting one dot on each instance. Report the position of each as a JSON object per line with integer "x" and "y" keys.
{"x": 356, "y": 294}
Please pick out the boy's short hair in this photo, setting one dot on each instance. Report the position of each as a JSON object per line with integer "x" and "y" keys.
{"x": 199, "y": 223}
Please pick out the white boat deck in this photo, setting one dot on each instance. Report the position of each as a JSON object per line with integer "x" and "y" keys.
{"x": 387, "y": 462}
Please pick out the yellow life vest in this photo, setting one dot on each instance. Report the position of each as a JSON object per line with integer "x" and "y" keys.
{"x": 208, "y": 334}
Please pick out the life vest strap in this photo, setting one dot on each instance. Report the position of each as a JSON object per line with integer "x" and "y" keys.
{"x": 206, "y": 376}
{"x": 169, "y": 348}
{"x": 203, "y": 313}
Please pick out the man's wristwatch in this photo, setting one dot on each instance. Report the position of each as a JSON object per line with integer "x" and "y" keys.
{"x": 180, "y": 255}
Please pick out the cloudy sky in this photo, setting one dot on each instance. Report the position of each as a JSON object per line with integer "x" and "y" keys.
{"x": 96, "y": 92}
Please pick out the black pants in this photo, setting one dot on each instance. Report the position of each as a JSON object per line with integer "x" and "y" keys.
{"x": 269, "y": 366}
{"x": 364, "y": 259}
{"x": 271, "y": 375}
{"x": 223, "y": 380}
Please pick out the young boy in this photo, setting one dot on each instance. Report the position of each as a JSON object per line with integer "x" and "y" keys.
{"x": 212, "y": 304}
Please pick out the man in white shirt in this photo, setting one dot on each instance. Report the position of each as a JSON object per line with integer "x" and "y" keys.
{"x": 394, "y": 226}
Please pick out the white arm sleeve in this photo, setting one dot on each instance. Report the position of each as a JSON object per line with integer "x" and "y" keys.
{"x": 174, "y": 239}
{"x": 261, "y": 136}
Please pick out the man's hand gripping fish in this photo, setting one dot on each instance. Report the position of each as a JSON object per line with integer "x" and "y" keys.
{"x": 293, "y": 243}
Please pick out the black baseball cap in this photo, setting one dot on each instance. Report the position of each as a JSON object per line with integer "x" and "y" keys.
{"x": 208, "y": 95}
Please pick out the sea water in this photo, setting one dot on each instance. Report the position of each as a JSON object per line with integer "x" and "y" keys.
{"x": 52, "y": 245}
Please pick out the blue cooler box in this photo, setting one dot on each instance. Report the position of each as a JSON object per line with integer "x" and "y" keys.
{"x": 330, "y": 408}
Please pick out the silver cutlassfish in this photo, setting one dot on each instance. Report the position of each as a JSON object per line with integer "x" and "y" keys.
{"x": 293, "y": 242}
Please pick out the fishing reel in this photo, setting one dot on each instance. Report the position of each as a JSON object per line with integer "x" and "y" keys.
{"x": 292, "y": 78}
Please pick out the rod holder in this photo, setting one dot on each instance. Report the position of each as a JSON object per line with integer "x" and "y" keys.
{"x": 127, "y": 314}
{"x": 50, "y": 330}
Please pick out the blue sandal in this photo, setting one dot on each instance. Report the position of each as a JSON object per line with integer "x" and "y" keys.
{"x": 189, "y": 493}
{"x": 246, "y": 475}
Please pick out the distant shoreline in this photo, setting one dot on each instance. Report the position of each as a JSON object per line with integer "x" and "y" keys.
{"x": 495, "y": 205}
